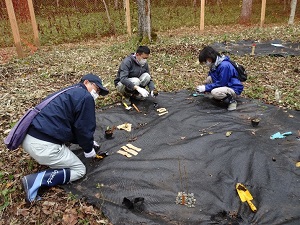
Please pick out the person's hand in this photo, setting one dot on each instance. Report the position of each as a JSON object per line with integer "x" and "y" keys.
{"x": 143, "y": 92}
{"x": 91, "y": 154}
{"x": 154, "y": 93}
{"x": 96, "y": 146}
{"x": 201, "y": 88}
{"x": 208, "y": 80}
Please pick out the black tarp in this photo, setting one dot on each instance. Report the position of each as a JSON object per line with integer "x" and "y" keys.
{"x": 187, "y": 150}
{"x": 276, "y": 48}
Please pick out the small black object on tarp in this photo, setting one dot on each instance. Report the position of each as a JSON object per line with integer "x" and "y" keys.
{"x": 136, "y": 203}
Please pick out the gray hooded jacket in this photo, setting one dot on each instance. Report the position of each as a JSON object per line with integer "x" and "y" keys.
{"x": 130, "y": 67}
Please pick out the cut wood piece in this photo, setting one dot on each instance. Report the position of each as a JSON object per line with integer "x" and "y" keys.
{"x": 160, "y": 110}
{"x": 163, "y": 113}
{"x": 125, "y": 126}
{"x": 124, "y": 153}
{"x": 133, "y": 147}
{"x": 129, "y": 150}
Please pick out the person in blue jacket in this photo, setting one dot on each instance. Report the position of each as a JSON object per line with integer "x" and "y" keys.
{"x": 222, "y": 81}
{"x": 133, "y": 76}
{"x": 68, "y": 118}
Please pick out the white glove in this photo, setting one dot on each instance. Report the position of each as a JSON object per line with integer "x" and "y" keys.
{"x": 201, "y": 88}
{"x": 96, "y": 146}
{"x": 152, "y": 94}
{"x": 91, "y": 154}
{"x": 143, "y": 92}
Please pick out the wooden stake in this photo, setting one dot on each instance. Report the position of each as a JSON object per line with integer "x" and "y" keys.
{"x": 14, "y": 27}
{"x": 202, "y": 15}
{"x": 33, "y": 23}
{"x": 263, "y": 13}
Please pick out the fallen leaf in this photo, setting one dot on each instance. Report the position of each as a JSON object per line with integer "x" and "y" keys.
{"x": 23, "y": 212}
{"x": 298, "y": 164}
{"x": 228, "y": 133}
{"x": 69, "y": 219}
{"x": 88, "y": 210}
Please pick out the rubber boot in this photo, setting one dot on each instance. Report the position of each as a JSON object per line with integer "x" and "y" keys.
{"x": 230, "y": 101}
{"x": 51, "y": 177}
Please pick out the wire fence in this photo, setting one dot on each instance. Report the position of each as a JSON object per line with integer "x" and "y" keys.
{"x": 76, "y": 20}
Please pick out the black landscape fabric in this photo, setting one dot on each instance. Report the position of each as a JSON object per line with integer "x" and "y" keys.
{"x": 200, "y": 148}
{"x": 276, "y": 48}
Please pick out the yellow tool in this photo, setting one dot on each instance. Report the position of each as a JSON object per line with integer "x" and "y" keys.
{"x": 126, "y": 106}
{"x": 245, "y": 195}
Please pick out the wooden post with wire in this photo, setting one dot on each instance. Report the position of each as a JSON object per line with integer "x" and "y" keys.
{"x": 128, "y": 21}
{"x": 14, "y": 27}
{"x": 202, "y": 15}
{"x": 33, "y": 23}
{"x": 263, "y": 12}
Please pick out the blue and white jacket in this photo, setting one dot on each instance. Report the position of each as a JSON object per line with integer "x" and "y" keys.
{"x": 223, "y": 74}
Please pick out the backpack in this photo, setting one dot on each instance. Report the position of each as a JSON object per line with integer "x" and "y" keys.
{"x": 242, "y": 73}
{"x": 19, "y": 131}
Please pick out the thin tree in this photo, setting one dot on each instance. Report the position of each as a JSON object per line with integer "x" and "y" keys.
{"x": 293, "y": 11}
{"x": 144, "y": 20}
{"x": 111, "y": 25}
{"x": 246, "y": 12}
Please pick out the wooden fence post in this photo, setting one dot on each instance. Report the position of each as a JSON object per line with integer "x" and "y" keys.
{"x": 202, "y": 15}
{"x": 14, "y": 27}
{"x": 33, "y": 23}
{"x": 263, "y": 12}
{"x": 128, "y": 21}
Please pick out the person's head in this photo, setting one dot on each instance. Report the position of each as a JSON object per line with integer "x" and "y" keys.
{"x": 142, "y": 54}
{"x": 94, "y": 85}
{"x": 208, "y": 55}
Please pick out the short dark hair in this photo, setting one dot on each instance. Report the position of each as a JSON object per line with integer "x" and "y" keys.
{"x": 143, "y": 49}
{"x": 208, "y": 52}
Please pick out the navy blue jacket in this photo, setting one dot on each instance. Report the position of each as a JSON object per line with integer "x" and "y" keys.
{"x": 70, "y": 117}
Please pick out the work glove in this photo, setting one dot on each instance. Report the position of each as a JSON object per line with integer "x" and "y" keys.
{"x": 208, "y": 80}
{"x": 91, "y": 154}
{"x": 201, "y": 88}
{"x": 154, "y": 93}
{"x": 96, "y": 146}
{"x": 143, "y": 92}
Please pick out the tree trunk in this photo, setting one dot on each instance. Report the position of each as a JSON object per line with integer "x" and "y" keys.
{"x": 148, "y": 20}
{"x": 111, "y": 25}
{"x": 144, "y": 20}
{"x": 293, "y": 11}
{"x": 245, "y": 17}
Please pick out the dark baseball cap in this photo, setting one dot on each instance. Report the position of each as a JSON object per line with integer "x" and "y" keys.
{"x": 95, "y": 79}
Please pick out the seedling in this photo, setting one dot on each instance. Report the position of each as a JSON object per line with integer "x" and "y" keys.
{"x": 109, "y": 132}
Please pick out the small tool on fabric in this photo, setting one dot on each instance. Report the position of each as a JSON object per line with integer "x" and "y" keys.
{"x": 279, "y": 135}
{"x": 126, "y": 106}
{"x": 245, "y": 196}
